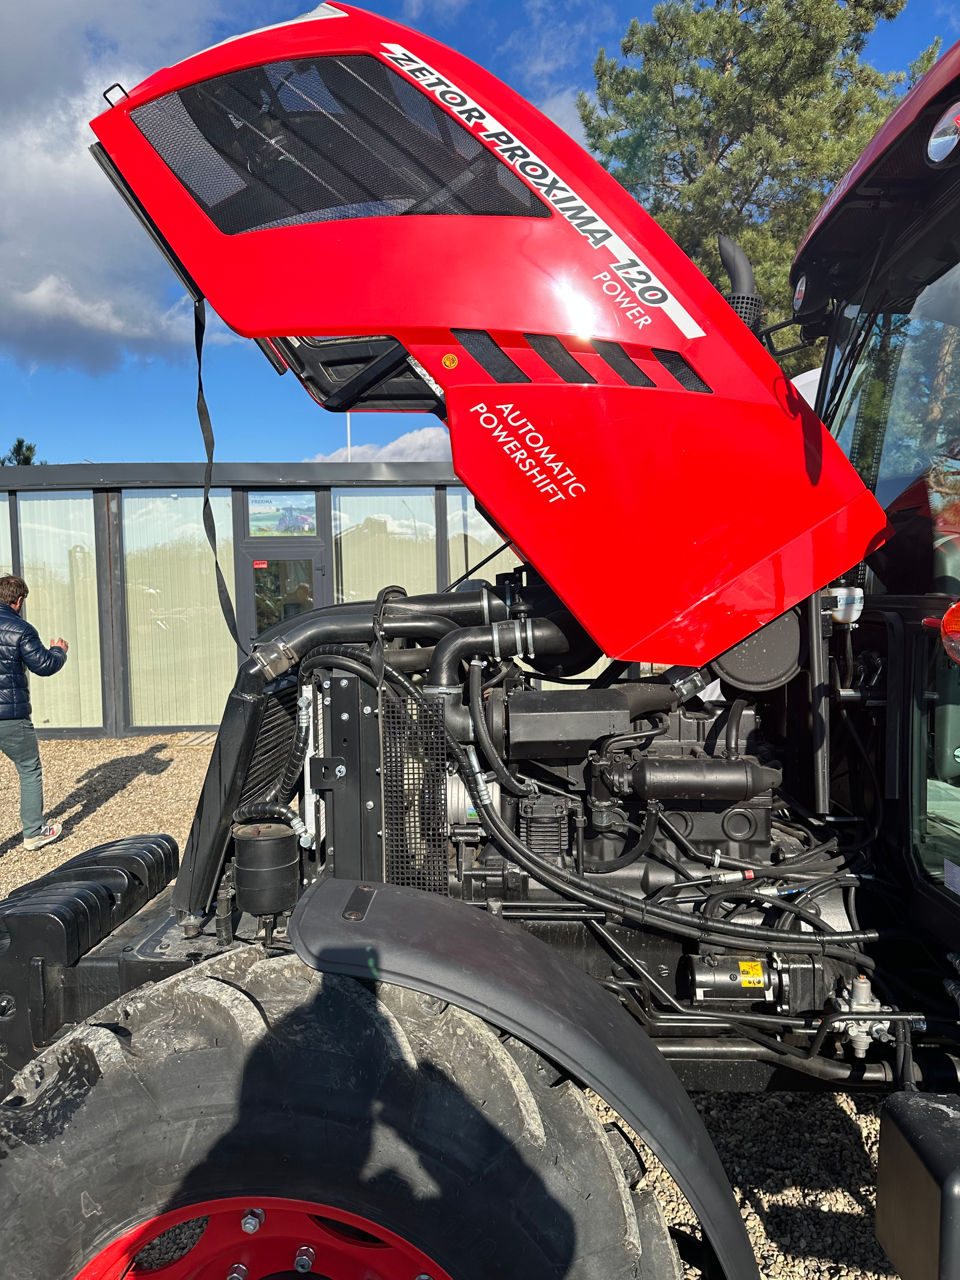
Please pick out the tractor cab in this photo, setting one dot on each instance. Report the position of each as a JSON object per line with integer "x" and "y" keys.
{"x": 880, "y": 269}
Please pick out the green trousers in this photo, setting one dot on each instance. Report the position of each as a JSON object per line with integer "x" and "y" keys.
{"x": 18, "y": 742}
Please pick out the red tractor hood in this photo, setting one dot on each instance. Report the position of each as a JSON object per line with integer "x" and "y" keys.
{"x": 343, "y": 175}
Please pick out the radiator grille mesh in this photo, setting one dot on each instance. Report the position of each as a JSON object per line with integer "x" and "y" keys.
{"x": 273, "y": 742}
{"x": 414, "y": 794}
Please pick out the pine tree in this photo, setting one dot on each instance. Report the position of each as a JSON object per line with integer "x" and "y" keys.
{"x": 735, "y": 117}
{"x": 20, "y": 455}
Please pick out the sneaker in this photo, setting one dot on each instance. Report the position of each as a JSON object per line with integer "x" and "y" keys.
{"x": 48, "y": 833}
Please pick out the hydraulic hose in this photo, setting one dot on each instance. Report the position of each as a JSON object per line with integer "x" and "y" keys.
{"x": 746, "y": 893}
{"x": 347, "y": 656}
{"x": 612, "y": 901}
{"x": 281, "y": 789}
{"x": 485, "y": 742}
{"x": 569, "y": 884}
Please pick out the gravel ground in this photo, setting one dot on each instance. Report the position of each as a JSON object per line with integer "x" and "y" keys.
{"x": 101, "y": 790}
{"x": 803, "y": 1165}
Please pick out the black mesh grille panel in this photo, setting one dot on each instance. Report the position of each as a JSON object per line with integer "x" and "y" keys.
{"x": 621, "y": 364}
{"x": 549, "y": 348}
{"x": 414, "y": 794}
{"x": 489, "y": 356}
{"x": 274, "y": 741}
{"x": 687, "y": 376}
{"x": 322, "y": 139}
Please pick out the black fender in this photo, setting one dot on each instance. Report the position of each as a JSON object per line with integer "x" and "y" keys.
{"x": 523, "y": 986}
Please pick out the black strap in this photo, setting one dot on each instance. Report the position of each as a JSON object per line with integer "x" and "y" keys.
{"x": 209, "y": 525}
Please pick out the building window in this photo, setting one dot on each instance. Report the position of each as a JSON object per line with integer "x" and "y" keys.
{"x": 470, "y": 539}
{"x": 281, "y": 515}
{"x": 382, "y": 537}
{"x": 6, "y": 551}
{"x": 181, "y": 658}
{"x": 58, "y": 550}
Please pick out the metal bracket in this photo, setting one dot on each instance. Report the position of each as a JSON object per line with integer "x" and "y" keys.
{"x": 328, "y": 773}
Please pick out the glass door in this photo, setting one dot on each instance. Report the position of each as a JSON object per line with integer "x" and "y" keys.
{"x": 282, "y": 589}
{"x": 282, "y": 560}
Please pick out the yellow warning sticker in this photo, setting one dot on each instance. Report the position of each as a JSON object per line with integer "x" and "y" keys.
{"x": 751, "y": 973}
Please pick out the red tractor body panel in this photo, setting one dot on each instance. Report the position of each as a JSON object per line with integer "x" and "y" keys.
{"x": 606, "y": 406}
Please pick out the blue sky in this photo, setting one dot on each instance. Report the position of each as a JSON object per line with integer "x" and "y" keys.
{"x": 96, "y": 355}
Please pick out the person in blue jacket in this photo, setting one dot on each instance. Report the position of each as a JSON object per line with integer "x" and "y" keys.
{"x": 21, "y": 651}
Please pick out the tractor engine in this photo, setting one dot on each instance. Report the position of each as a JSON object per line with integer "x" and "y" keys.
{"x": 452, "y": 744}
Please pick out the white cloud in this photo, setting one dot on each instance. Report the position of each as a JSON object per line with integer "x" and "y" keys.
{"x": 551, "y": 40}
{"x": 79, "y": 283}
{"x": 949, "y": 15}
{"x": 425, "y": 444}
{"x": 561, "y": 107}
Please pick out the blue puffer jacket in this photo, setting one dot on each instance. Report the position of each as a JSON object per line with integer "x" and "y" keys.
{"x": 21, "y": 650}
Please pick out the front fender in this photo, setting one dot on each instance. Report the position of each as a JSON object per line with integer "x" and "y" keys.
{"x": 518, "y": 983}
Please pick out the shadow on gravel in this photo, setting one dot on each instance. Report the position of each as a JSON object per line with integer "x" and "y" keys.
{"x": 806, "y": 1152}
{"x": 94, "y": 788}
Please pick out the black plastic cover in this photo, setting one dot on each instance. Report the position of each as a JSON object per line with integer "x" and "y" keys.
{"x": 520, "y": 984}
{"x": 765, "y": 660}
{"x": 918, "y": 1185}
{"x": 64, "y": 913}
{"x": 47, "y": 926}
{"x": 552, "y": 725}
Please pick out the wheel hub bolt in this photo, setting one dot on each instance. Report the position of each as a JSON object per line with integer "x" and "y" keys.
{"x": 304, "y": 1260}
{"x": 251, "y": 1221}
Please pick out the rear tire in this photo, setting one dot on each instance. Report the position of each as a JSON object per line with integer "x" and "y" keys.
{"x": 248, "y": 1078}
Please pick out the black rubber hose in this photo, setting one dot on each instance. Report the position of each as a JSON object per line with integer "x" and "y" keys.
{"x": 257, "y": 810}
{"x": 416, "y": 659}
{"x": 734, "y": 717}
{"x": 463, "y": 608}
{"x": 603, "y": 867}
{"x": 282, "y": 647}
{"x": 422, "y": 626}
{"x": 506, "y": 638}
{"x": 347, "y": 656}
{"x": 282, "y": 788}
{"x": 568, "y": 884}
{"x": 485, "y": 742}
{"x": 714, "y": 900}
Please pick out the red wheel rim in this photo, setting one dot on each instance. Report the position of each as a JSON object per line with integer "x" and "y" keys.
{"x": 343, "y": 1245}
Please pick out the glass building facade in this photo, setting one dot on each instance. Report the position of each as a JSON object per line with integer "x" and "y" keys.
{"x": 58, "y": 555}
{"x": 181, "y": 656}
{"x": 118, "y": 563}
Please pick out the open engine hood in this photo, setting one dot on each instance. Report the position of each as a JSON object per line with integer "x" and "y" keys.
{"x": 343, "y": 177}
